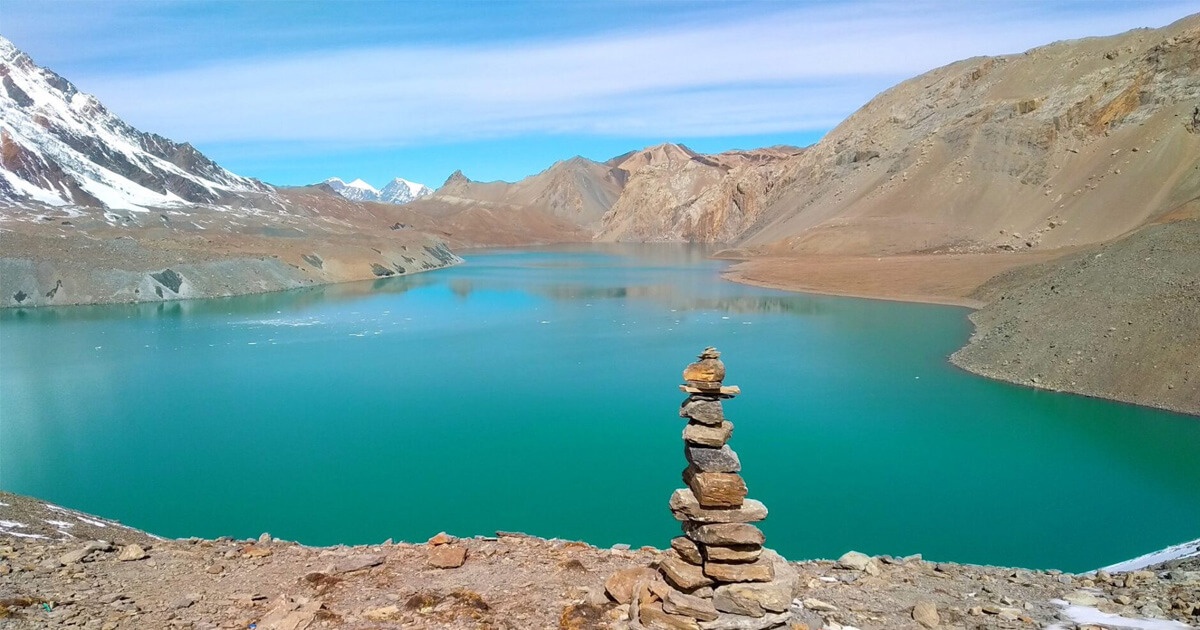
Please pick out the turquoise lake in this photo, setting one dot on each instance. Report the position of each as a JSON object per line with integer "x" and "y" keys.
{"x": 537, "y": 391}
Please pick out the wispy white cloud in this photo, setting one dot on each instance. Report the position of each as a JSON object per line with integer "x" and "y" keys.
{"x": 783, "y": 71}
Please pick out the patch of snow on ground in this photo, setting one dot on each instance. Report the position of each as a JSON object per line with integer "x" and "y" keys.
{"x": 60, "y": 524}
{"x": 21, "y": 534}
{"x": 3, "y": 504}
{"x": 1089, "y": 615}
{"x": 11, "y": 524}
{"x": 91, "y": 521}
{"x": 1182, "y": 550}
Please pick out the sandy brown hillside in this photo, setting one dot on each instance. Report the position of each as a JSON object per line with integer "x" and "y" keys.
{"x": 1072, "y": 143}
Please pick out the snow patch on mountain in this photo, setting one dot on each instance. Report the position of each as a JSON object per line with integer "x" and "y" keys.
{"x": 397, "y": 191}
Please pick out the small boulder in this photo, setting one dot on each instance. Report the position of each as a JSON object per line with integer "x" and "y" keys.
{"x": 926, "y": 614}
{"x": 447, "y": 556}
{"x": 132, "y": 552}
{"x": 854, "y": 560}
{"x": 620, "y": 585}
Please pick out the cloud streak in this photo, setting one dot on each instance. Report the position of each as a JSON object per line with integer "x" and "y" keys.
{"x": 777, "y": 72}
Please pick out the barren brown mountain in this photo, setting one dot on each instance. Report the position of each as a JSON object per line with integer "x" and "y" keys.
{"x": 1069, "y": 144}
{"x": 564, "y": 203}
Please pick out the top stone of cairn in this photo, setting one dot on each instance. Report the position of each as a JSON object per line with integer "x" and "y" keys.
{"x": 708, "y": 372}
{"x": 704, "y": 376}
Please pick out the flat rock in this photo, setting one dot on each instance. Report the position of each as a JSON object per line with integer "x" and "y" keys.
{"x": 714, "y": 460}
{"x": 687, "y": 550}
{"x": 620, "y": 585}
{"x": 447, "y": 556}
{"x": 753, "y": 599}
{"x": 759, "y": 571}
{"x": 817, "y": 605}
{"x": 732, "y": 553}
{"x": 677, "y": 603}
{"x": 716, "y": 490}
{"x": 739, "y": 622}
{"x": 256, "y": 551}
{"x": 714, "y": 435}
{"x": 356, "y": 563}
{"x": 653, "y": 616}
{"x": 683, "y": 576}
{"x": 704, "y": 411}
{"x": 1082, "y": 598}
{"x": 685, "y": 506}
{"x": 724, "y": 534}
{"x": 725, "y": 391}
{"x": 72, "y": 557}
{"x": 441, "y": 538}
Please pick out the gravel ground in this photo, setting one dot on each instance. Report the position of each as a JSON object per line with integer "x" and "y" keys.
{"x": 54, "y": 574}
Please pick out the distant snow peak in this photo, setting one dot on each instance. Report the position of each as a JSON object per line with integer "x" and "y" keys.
{"x": 397, "y": 191}
{"x": 401, "y": 190}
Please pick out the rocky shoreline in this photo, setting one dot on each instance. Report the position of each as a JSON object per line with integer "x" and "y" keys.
{"x": 64, "y": 569}
{"x": 79, "y": 257}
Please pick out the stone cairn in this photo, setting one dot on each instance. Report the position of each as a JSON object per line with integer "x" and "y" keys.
{"x": 717, "y": 575}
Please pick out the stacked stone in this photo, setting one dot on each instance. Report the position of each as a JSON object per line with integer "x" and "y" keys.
{"x": 720, "y": 558}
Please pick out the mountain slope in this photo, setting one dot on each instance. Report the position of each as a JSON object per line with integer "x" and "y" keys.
{"x": 1072, "y": 143}
{"x": 60, "y": 146}
{"x": 1120, "y": 321}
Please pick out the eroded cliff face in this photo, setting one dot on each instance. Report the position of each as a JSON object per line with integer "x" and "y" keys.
{"x": 674, "y": 194}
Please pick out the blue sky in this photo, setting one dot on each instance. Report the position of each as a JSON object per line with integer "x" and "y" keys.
{"x": 292, "y": 92}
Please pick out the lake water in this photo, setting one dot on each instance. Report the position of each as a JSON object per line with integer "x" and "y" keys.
{"x": 536, "y": 391}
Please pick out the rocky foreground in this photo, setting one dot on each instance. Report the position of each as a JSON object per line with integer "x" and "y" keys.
{"x": 61, "y": 568}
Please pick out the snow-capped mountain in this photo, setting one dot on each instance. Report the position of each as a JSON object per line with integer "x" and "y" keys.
{"x": 403, "y": 191}
{"x": 59, "y": 146}
{"x": 397, "y": 191}
{"x": 357, "y": 190}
